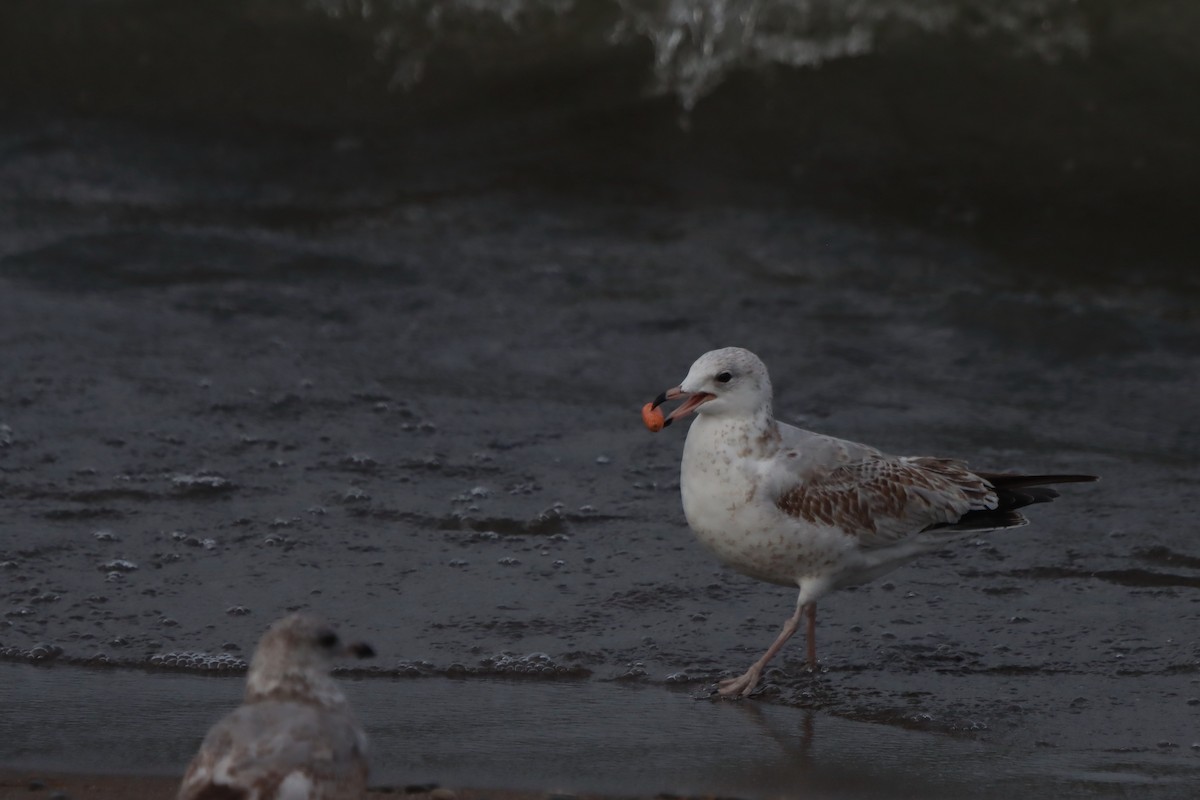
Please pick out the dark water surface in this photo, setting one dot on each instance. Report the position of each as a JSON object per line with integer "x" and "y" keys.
{"x": 1032, "y": 125}
{"x": 379, "y": 352}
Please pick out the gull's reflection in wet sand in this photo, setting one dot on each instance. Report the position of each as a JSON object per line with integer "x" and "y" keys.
{"x": 795, "y": 743}
{"x": 792, "y": 731}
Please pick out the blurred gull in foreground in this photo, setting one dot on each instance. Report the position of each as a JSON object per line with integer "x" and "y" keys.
{"x": 797, "y": 508}
{"x": 294, "y": 737}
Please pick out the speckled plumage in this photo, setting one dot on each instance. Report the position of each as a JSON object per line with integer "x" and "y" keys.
{"x": 798, "y": 508}
{"x": 294, "y": 737}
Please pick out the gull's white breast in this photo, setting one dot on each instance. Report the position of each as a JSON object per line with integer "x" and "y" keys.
{"x": 729, "y": 501}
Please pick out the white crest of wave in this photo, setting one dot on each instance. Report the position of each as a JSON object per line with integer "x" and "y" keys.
{"x": 697, "y": 43}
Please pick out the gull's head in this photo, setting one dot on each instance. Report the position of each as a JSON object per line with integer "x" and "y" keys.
{"x": 295, "y": 654}
{"x": 727, "y": 382}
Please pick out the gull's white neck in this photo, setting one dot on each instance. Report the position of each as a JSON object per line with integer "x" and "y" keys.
{"x": 721, "y": 459}
{"x": 298, "y": 684}
{"x": 753, "y": 436}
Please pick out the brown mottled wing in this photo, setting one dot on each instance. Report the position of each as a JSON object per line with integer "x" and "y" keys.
{"x": 198, "y": 782}
{"x": 255, "y": 749}
{"x": 882, "y": 500}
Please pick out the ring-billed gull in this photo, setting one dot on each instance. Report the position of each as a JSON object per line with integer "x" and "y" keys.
{"x": 801, "y": 509}
{"x": 294, "y": 736}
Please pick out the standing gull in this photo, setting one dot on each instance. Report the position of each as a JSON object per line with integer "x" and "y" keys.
{"x": 294, "y": 737}
{"x": 800, "y": 509}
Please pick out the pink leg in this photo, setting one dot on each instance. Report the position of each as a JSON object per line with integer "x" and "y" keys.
{"x": 744, "y": 684}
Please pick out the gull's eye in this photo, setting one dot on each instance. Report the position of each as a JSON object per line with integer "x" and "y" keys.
{"x": 724, "y": 377}
{"x": 328, "y": 640}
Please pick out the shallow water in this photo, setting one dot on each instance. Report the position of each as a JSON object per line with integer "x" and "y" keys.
{"x": 387, "y": 367}
{"x": 579, "y": 736}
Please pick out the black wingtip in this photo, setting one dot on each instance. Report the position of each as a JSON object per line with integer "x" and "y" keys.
{"x": 1016, "y": 480}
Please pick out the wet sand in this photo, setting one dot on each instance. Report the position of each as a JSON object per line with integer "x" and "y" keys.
{"x": 243, "y": 378}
